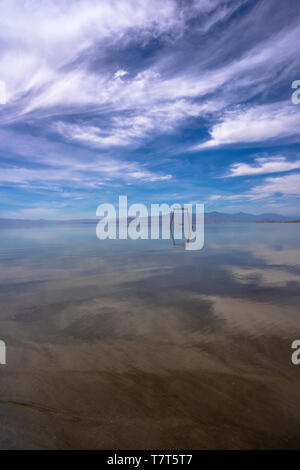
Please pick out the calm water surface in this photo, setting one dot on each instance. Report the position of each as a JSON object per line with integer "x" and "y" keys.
{"x": 124, "y": 345}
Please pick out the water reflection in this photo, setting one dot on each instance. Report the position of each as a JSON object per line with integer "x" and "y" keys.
{"x": 123, "y": 344}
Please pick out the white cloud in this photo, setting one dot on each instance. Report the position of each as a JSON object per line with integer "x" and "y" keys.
{"x": 231, "y": 197}
{"x": 56, "y": 62}
{"x": 55, "y": 165}
{"x": 89, "y": 178}
{"x": 128, "y": 129}
{"x": 255, "y": 124}
{"x": 44, "y": 41}
{"x": 286, "y": 185}
{"x": 283, "y": 186}
{"x": 149, "y": 176}
{"x": 272, "y": 164}
{"x": 120, "y": 73}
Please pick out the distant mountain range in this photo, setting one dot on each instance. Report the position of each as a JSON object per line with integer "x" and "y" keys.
{"x": 210, "y": 217}
{"x": 245, "y": 217}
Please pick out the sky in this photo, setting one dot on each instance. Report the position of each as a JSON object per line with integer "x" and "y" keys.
{"x": 173, "y": 101}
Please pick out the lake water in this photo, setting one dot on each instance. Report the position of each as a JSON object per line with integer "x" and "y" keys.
{"x": 142, "y": 345}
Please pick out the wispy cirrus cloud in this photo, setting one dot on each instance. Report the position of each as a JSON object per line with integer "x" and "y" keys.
{"x": 272, "y": 186}
{"x": 112, "y": 94}
{"x": 263, "y": 165}
{"x": 56, "y": 74}
{"x": 51, "y": 165}
{"x": 90, "y": 176}
{"x": 286, "y": 185}
{"x": 130, "y": 127}
{"x": 50, "y": 48}
{"x": 255, "y": 124}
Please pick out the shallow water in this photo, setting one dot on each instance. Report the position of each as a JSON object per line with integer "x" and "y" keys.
{"x": 142, "y": 345}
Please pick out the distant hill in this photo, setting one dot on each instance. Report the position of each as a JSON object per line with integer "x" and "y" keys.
{"x": 210, "y": 217}
{"x": 244, "y": 217}
{"x": 45, "y": 221}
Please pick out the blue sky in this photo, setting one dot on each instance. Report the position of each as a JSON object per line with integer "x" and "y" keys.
{"x": 173, "y": 101}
